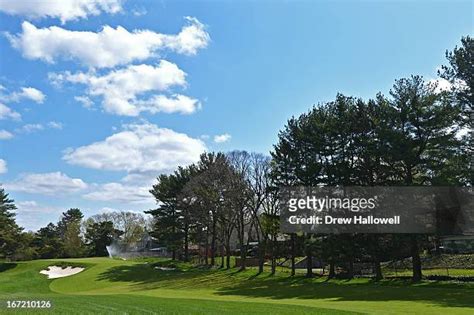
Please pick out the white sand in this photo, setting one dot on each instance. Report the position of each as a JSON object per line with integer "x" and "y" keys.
{"x": 54, "y": 272}
{"x": 165, "y": 268}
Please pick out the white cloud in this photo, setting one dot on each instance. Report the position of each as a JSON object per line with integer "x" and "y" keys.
{"x": 46, "y": 183}
{"x": 140, "y": 178}
{"x": 139, "y": 11}
{"x": 27, "y": 204}
{"x": 441, "y": 85}
{"x": 30, "y": 128}
{"x": 27, "y": 93}
{"x": 6, "y": 113}
{"x": 3, "y": 166}
{"x": 55, "y": 125}
{"x": 85, "y": 101}
{"x": 109, "y": 47}
{"x": 5, "y": 135}
{"x": 191, "y": 38}
{"x": 118, "y": 192}
{"x": 139, "y": 148}
{"x": 33, "y": 94}
{"x": 107, "y": 210}
{"x": 122, "y": 90}
{"x": 176, "y": 104}
{"x": 65, "y": 10}
{"x": 222, "y": 138}
{"x": 33, "y": 206}
{"x": 31, "y": 215}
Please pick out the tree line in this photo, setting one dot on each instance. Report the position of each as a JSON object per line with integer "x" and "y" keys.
{"x": 419, "y": 134}
{"x": 72, "y": 236}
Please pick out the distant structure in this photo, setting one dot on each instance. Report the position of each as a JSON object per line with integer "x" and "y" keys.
{"x": 145, "y": 247}
{"x": 458, "y": 244}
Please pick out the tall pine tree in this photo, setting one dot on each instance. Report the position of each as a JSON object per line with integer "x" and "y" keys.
{"x": 9, "y": 230}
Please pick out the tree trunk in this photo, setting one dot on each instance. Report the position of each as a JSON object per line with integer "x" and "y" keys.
{"x": 227, "y": 250}
{"x": 173, "y": 253}
{"x": 206, "y": 253}
{"x": 293, "y": 255}
{"x": 350, "y": 272}
{"x": 416, "y": 260}
{"x": 261, "y": 254}
{"x": 309, "y": 259}
{"x": 261, "y": 248}
{"x": 437, "y": 245}
{"x": 186, "y": 242}
{"x": 378, "y": 269}
{"x": 273, "y": 256}
{"x": 243, "y": 247}
{"x": 309, "y": 266}
{"x": 332, "y": 269}
{"x": 415, "y": 251}
{"x": 243, "y": 256}
{"x": 222, "y": 256}
{"x": 213, "y": 243}
{"x": 375, "y": 256}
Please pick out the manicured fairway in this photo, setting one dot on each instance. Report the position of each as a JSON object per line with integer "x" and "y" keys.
{"x": 110, "y": 286}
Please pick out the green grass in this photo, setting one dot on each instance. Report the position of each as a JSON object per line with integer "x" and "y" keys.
{"x": 109, "y": 286}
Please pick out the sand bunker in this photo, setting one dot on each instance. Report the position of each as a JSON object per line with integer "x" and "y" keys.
{"x": 165, "y": 268}
{"x": 54, "y": 272}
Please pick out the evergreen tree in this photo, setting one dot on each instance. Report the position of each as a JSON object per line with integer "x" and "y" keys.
{"x": 458, "y": 170}
{"x": 419, "y": 138}
{"x": 9, "y": 230}
{"x": 172, "y": 218}
{"x": 460, "y": 72}
{"x": 48, "y": 242}
{"x": 69, "y": 228}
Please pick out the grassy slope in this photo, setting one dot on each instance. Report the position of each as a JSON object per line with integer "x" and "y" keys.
{"x": 135, "y": 287}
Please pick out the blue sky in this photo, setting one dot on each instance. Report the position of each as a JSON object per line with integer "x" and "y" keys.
{"x": 91, "y": 115}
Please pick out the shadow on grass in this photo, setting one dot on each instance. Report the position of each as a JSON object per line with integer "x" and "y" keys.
{"x": 249, "y": 284}
{"x": 146, "y": 277}
{"x": 7, "y": 266}
{"x": 343, "y": 290}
